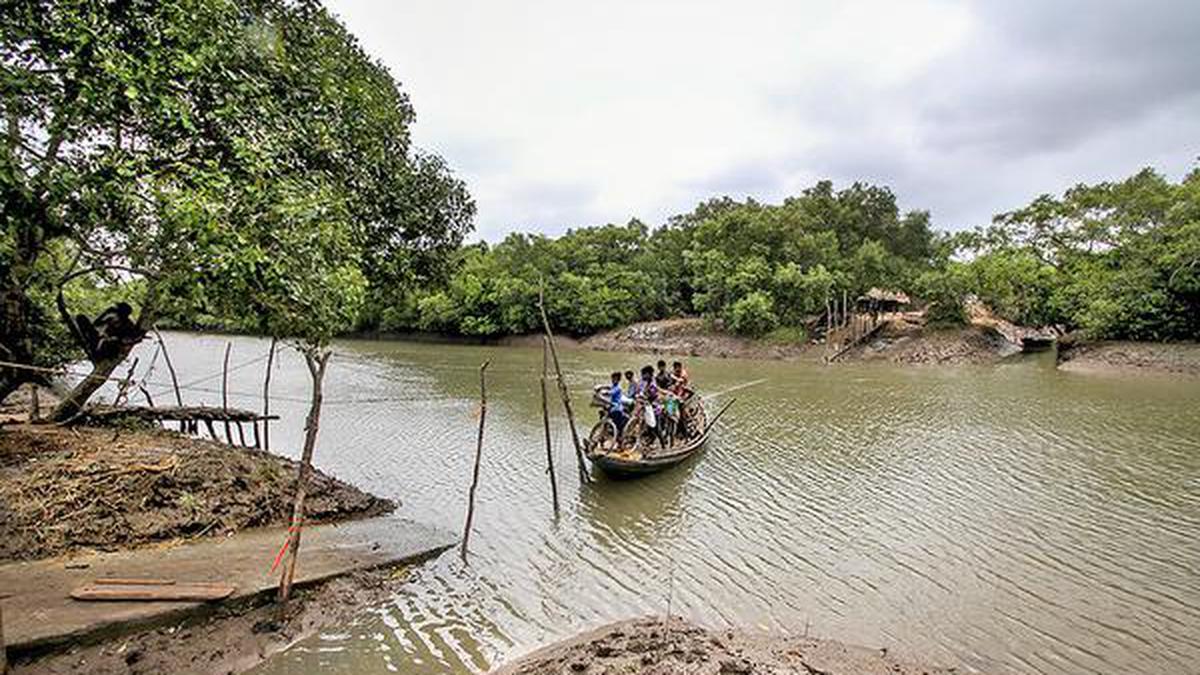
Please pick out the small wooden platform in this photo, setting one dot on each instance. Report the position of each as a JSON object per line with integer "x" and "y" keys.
{"x": 40, "y": 614}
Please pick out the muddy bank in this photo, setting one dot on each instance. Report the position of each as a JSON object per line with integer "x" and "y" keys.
{"x": 229, "y": 639}
{"x": 660, "y": 646}
{"x": 1126, "y": 357}
{"x": 906, "y": 339}
{"x": 691, "y": 337}
{"x": 66, "y": 490}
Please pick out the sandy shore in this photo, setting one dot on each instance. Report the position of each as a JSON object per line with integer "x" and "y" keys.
{"x": 661, "y": 646}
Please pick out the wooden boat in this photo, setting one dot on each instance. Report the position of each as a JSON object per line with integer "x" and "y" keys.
{"x": 630, "y": 460}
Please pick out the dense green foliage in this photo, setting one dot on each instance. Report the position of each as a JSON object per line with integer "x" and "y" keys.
{"x": 1118, "y": 260}
{"x": 750, "y": 266}
{"x": 243, "y": 160}
{"x": 1115, "y": 260}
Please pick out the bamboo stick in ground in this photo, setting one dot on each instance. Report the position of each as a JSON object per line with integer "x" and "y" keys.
{"x": 266, "y": 432}
{"x": 317, "y": 362}
{"x": 478, "y": 456}
{"x": 35, "y": 406}
{"x": 225, "y": 391}
{"x": 546, "y": 424}
{"x": 562, "y": 391}
{"x": 183, "y": 426}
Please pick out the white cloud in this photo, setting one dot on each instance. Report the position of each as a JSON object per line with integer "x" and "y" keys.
{"x": 561, "y": 114}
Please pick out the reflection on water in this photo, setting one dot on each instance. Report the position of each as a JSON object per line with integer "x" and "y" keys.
{"x": 1010, "y": 520}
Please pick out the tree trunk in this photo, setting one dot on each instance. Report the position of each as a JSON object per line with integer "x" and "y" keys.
{"x": 317, "y": 361}
{"x": 102, "y": 370}
{"x": 15, "y": 343}
{"x": 73, "y": 403}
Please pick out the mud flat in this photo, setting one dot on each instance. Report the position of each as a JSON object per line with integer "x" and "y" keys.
{"x": 1130, "y": 357}
{"x": 691, "y": 337}
{"x": 662, "y": 646}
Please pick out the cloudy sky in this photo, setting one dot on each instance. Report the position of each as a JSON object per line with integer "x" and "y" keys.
{"x": 561, "y": 113}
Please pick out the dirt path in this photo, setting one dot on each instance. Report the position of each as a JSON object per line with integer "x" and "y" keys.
{"x": 660, "y": 646}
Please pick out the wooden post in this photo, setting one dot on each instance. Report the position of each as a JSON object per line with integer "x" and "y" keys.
{"x": 241, "y": 433}
{"x": 183, "y": 426}
{"x": 562, "y": 391}
{"x": 256, "y": 436}
{"x": 317, "y": 360}
{"x": 123, "y": 385}
{"x": 546, "y": 424}
{"x": 3, "y": 651}
{"x": 478, "y": 457}
{"x": 225, "y": 391}
{"x": 35, "y": 405}
{"x": 266, "y": 433}
{"x": 845, "y": 307}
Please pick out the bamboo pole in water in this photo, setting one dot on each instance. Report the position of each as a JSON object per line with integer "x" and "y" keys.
{"x": 183, "y": 426}
{"x": 266, "y": 432}
{"x": 478, "y": 457}
{"x": 562, "y": 391}
{"x": 225, "y": 391}
{"x": 546, "y": 424}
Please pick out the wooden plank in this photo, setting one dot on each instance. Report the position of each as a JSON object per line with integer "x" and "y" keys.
{"x": 133, "y": 581}
{"x": 153, "y": 592}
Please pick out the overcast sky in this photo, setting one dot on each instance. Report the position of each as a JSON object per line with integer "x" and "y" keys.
{"x": 561, "y": 113}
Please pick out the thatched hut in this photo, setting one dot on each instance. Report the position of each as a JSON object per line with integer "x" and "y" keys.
{"x": 882, "y": 301}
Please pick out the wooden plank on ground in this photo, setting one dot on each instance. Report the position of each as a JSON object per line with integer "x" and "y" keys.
{"x": 153, "y": 592}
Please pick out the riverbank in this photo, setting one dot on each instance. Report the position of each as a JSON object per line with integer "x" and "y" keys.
{"x": 692, "y": 337}
{"x": 73, "y": 498}
{"x": 660, "y": 645}
{"x": 1181, "y": 358}
{"x": 226, "y": 639}
{"x": 72, "y": 490}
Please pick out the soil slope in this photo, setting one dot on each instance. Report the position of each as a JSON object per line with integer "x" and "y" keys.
{"x": 659, "y": 646}
{"x": 66, "y": 490}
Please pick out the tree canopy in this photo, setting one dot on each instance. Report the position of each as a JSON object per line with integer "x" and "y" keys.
{"x": 239, "y": 158}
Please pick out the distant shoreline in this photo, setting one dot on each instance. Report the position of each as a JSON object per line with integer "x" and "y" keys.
{"x": 897, "y": 344}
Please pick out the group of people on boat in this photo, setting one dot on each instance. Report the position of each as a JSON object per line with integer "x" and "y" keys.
{"x": 653, "y": 401}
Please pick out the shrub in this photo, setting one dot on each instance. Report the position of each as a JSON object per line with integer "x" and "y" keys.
{"x": 753, "y": 315}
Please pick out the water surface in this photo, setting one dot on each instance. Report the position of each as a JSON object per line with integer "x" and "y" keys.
{"x": 1009, "y": 519}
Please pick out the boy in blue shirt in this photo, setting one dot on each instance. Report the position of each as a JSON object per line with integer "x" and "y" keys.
{"x": 616, "y": 403}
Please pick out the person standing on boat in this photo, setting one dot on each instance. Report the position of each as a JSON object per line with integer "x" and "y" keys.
{"x": 682, "y": 381}
{"x": 651, "y": 405}
{"x": 616, "y": 403}
{"x": 664, "y": 379}
{"x": 632, "y": 389}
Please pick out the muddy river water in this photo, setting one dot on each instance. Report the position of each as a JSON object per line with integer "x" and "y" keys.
{"x": 1006, "y": 519}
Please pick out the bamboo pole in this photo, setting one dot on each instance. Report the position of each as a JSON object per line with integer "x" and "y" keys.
{"x": 546, "y": 424}
{"x": 35, "y": 404}
{"x": 266, "y": 432}
{"x": 478, "y": 457}
{"x": 317, "y": 362}
{"x": 845, "y": 306}
{"x": 183, "y": 426}
{"x": 123, "y": 385}
{"x": 3, "y": 650}
{"x": 562, "y": 390}
{"x": 225, "y": 390}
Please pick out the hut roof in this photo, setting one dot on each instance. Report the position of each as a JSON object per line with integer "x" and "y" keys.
{"x": 883, "y": 295}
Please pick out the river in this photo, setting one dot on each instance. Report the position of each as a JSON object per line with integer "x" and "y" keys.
{"x": 1003, "y": 519}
